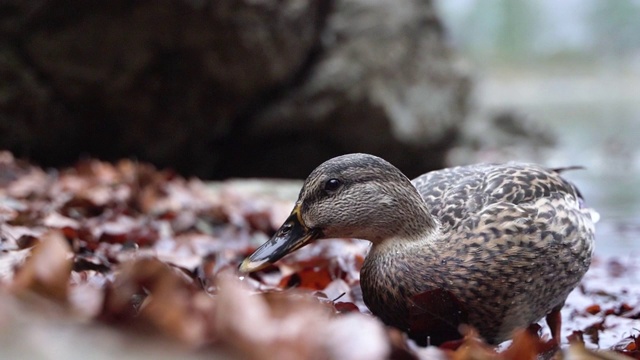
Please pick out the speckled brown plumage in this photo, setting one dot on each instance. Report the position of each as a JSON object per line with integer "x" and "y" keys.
{"x": 513, "y": 242}
{"x": 508, "y": 241}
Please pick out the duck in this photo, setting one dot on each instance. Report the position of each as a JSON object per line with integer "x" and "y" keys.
{"x": 492, "y": 247}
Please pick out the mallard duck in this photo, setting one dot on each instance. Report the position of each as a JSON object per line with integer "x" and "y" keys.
{"x": 493, "y": 246}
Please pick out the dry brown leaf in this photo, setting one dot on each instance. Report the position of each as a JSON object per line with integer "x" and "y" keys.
{"x": 473, "y": 348}
{"x": 47, "y": 270}
{"x": 524, "y": 346}
{"x": 248, "y": 324}
{"x": 170, "y": 306}
{"x": 287, "y": 326}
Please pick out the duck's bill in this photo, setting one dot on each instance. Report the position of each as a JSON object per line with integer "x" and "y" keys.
{"x": 292, "y": 235}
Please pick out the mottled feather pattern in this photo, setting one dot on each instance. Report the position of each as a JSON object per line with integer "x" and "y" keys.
{"x": 513, "y": 242}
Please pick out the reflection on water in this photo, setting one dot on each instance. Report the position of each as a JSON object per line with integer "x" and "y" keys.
{"x": 597, "y": 121}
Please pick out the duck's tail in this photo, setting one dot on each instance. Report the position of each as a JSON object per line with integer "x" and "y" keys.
{"x": 595, "y": 216}
{"x": 560, "y": 170}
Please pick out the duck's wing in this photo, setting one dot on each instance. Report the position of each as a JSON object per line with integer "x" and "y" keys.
{"x": 518, "y": 234}
{"x": 452, "y": 193}
{"x": 459, "y": 194}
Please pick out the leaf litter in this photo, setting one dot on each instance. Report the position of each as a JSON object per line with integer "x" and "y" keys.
{"x": 126, "y": 251}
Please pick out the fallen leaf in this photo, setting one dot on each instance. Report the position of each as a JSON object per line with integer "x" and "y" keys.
{"x": 168, "y": 304}
{"x": 345, "y": 307}
{"x": 292, "y": 326}
{"x": 593, "y": 309}
{"x": 46, "y": 272}
{"x": 473, "y": 348}
{"x": 314, "y": 278}
{"x": 525, "y": 346}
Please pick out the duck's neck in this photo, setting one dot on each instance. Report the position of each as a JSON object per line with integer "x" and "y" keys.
{"x": 421, "y": 244}
{"x": 413, "y": 226}
{"x": 399, "y": 267}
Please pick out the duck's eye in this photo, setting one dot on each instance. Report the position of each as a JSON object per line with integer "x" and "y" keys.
{"x": 332, "y": 185}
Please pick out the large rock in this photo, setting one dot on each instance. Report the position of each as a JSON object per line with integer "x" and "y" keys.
{"x": 228, "y": 87}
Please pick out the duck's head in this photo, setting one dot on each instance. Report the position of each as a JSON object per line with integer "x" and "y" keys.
{"x": 356, "y": 196}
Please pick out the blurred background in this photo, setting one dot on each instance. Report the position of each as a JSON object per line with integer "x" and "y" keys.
{"x": 572, "y": 68}
{"x": 242, "y": 88}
